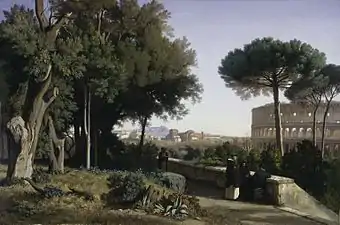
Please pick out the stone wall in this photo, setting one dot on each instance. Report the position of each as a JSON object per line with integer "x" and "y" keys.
{"x": 283, "y": 191}
{"x": 297, "y": 123}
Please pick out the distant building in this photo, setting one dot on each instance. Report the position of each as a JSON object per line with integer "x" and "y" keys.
{"x": 297, "y": 123}
{"x": 173, "y": 136}
{"x": 122, "y": 134}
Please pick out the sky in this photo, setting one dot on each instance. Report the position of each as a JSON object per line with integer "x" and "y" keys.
{"x": 216, "y": 27}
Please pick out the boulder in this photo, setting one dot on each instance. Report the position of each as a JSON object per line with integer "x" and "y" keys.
{"x": 174, "y": 181}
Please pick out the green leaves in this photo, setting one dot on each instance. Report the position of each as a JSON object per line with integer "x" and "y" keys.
{"x": 266, "y": 63}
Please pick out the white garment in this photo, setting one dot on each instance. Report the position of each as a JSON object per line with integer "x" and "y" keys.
{"x": 232, "y": 193}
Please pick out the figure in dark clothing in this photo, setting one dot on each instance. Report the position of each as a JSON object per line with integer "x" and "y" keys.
{"x": 245, "y": 187}
{"x": 259, "y": 182}
{"x": 230, "y": 173}
{"x": 163, "y": 157}
{"x": 232, "y": 180}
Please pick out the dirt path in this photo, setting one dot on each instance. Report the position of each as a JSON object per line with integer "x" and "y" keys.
{"x": 240, "y": 213}
{"x": 232, "y": 212}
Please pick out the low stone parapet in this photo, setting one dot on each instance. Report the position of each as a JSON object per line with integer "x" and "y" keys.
{"x": 282, "y": 191}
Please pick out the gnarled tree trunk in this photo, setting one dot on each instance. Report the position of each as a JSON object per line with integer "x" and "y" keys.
{"x": 57, "y": 149}
{"x": 24, "y": 134}
{"x": 24, "y": 128}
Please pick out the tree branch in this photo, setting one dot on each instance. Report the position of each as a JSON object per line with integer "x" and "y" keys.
{"x": 48, "y": 72}
{"x": 54, "y": 28}
{"x": 46, "y": 83}
{"x": 39, "y": 12}
{"x": 53, "y": 97}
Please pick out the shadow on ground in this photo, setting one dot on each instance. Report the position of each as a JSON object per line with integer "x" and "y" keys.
{"x": 204, "y": 189}
{"x": 261, "y": 216}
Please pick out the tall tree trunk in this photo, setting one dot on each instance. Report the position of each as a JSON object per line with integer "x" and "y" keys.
{"x": 277, "y": 114}
{"x": 24, "y": 129}
{"x": 78, "y": 157}
{"x": 2, "y": 150}
{"x": 25, "y": 134}
{"x": 144, "y": 122}
{"x": 324, "y": 128}
{"x": 57, "y": 149}
{"x": 87, "y": 124}
{"x": 95, "y": 144}
{"x": 314, "y": 125}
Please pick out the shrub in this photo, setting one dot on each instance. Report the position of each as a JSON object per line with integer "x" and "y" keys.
{"x": 190, "y": 203}
{"x": 211, "y": 162}
{"x": 302, "y": 164}
{"x": 271, "y": 160}
{"x": 192, "y": 153}
{"x": 174, "y": 181}
{"x": 131, "y": 157}
{"x": 41, "y": 176}
{"x": 253, "y": 159}
{"x": 125, "y": 187}
{"x": 219, "y": 155}
{"x": 24, "y": 209}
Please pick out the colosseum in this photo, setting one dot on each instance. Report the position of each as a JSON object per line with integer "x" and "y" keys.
{"x": 297, "y": 124}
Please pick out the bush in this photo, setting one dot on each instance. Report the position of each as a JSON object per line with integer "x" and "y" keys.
{"x": 302, "y": 164}
{"x": 24, "y": 209}
{"x": 271, "y": 160}
{"x": 253, "y": 159}
{"x": 174, "y": 181}
{"x": 125, "y": 187}
{"x": 192, "y": 153}
{"x": 41, "y": 176}
{"x": 219, "y": 155}
{"x": 193, "y": 207}
{"x": 130, "y": 157}
{"x": 331, "y": 197}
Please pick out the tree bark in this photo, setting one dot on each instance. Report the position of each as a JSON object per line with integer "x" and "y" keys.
{"x": 24, "y": 128}
{"x": 314, "y": 125}
{"x": 277, "y": 114}
{"x": 57, "y": 149}
{"x": 2, "y": 150}
{"x": 324, "y": 128}
{"x": 95, "y": 144}
{"x": 87, "y": 124}
{"x": 25, "y": 134}
{"x": 141, "y": 140}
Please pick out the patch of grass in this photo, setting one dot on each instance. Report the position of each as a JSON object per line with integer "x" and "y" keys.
{"x": 22, "y": 205}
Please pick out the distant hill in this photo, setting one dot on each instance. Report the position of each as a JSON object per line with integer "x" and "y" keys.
{"x": 161, "y": 131}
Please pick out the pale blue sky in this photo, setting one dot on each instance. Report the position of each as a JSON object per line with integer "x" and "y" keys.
{"x": 216, "y": 27}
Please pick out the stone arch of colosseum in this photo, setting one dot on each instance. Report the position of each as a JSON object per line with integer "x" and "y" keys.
{"x": 297, "y": 123}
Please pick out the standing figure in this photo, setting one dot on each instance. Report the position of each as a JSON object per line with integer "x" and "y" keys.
{"x": 245, "y": 186}
{"x": 232, "y": 190}
{"x": 163, "y": 158}
{"x": 259, "y": 183}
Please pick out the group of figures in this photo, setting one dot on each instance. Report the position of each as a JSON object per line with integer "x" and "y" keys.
{"x": 241, "y": 185}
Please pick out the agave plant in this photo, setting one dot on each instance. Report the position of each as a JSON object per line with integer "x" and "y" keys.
{"x": 176, "y": 210}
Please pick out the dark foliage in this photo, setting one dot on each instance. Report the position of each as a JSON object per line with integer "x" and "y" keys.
{"x": 41, "y": 176}
{"x": 218, "y": 156}
{"x": 131, "y": 157}
{"x": 271, "y": 159}
{"x": 125, "y": 187}
{"x": 192, "y": 153}
{"x": 302, "y": 164}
